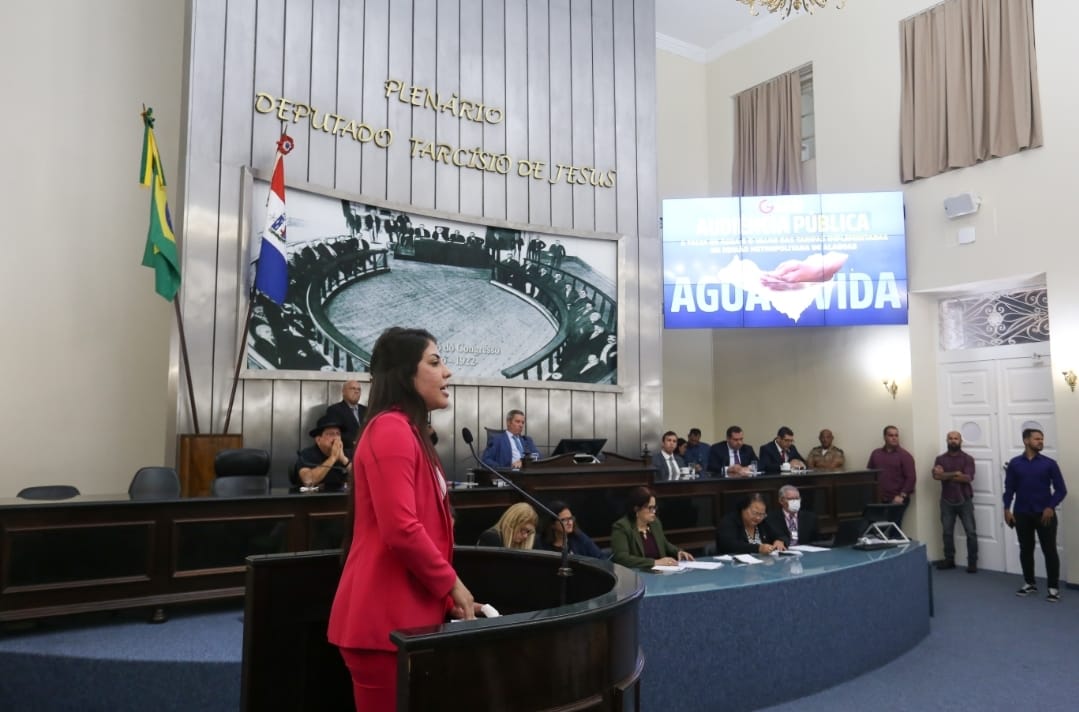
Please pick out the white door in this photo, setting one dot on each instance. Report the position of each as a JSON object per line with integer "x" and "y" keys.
{"x": 990, "y": 396}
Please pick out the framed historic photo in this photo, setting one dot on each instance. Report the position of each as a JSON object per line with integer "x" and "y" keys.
{"x": 506, "y": 301}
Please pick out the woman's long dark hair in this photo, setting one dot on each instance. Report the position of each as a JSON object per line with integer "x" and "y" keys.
{"x": 394, "y": 360}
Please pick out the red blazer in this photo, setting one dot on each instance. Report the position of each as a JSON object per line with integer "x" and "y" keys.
{"x": 399, "y": 571}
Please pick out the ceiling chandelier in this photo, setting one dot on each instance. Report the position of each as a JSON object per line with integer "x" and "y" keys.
{"x": 788, "y": 6}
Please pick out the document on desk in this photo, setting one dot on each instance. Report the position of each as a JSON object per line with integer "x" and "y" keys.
{"x": 724, "y": 557}
{"x": 705, "y": 565}
{"x": 808, "y": 548}
{"x": 747, "y": 559}
{"x": 669, "y": 569}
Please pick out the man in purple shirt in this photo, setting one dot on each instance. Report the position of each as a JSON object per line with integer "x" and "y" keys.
{"x": 896, "y": 465}
{"x": 1035, "y": 482}
{"x": 955, "y": 471}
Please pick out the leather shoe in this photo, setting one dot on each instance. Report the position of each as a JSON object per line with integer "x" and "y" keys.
{"x": 945, "y": 564}
{"x": 972, "y": 568}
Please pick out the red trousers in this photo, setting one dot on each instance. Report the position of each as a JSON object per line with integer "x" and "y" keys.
{"x": 374, "y": 678}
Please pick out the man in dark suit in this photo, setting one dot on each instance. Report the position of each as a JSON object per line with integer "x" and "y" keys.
{"x": 732, "y": 453}
{"x": 349, "y": 413}
{"x": 512, "y": 447}
{"x": 790, "y": 522}
{"x": 779, "y": 452}
{"x": 667, "y": 462}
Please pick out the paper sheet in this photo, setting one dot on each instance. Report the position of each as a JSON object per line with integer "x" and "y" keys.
{"x": 705, "y": 565}
{"x": 747, "y": 559}
{"x": 808, "y": 548}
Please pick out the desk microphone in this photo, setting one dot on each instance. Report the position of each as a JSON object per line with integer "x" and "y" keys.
{"x": 564, "y": 571}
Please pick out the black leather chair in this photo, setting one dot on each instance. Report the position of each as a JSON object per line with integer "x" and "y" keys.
{"x": 154, "y": 483}
{"x": 248, "y": 461}
{"x": 49, "y": 492}
{"x": 241, "y": 486}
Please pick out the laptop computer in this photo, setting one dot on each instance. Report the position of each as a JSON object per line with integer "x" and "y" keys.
{"x": 849, "y": 532}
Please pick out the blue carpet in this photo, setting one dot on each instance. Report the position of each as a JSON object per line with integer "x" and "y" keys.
{"x": 987, "y": 650}
{"x": 113, "y": 662}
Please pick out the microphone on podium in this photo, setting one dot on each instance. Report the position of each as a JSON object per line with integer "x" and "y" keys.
{"x": 564, "y": 570}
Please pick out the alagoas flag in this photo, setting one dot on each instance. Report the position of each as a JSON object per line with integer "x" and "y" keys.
{"x": 160, "y": 253}
{"x": 271, "y": 271}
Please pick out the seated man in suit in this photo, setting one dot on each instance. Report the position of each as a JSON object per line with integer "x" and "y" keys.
{"x": 790, "y": 522}
{"x": 510, "y": 448}
{"x": 780, "y": 452}
{"x": 349, "y": 414}
{"x": 667, "y": 462}
{"x": 733, "y": 454}
{"x": 324, "y": 464}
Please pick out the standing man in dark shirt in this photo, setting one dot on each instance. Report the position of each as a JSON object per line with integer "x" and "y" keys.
{"x": 349, "y": 414}
{"x": 955, "y": 471}
{"x": 896, "y": 467}
{"x": 1035, "y": 482}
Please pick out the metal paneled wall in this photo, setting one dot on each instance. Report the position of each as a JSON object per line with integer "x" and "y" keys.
{"x": 576, "y": 81}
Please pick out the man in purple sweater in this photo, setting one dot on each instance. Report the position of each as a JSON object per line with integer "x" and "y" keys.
{"x": 1035, "y": 482}
{"x": 896, "y": 465}
{"x": 955, "y": 471}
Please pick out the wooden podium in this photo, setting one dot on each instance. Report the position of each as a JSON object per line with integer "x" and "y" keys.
{"x": 537, "y": 656}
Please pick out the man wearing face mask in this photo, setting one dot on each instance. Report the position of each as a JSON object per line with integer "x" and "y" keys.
{"x": 790, "y": 522}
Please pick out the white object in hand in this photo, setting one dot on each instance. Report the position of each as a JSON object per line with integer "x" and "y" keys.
{"x": 489, "y": 611}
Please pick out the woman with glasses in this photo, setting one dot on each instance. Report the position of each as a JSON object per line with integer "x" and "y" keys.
{"x": 579, "y": 542}
{"x": 637, "y": 539}
{"x": 515, "y": 529}
{"x": 744, "y": 531}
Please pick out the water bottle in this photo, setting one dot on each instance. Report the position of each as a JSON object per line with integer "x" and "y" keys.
{"x": 753, "y": 469}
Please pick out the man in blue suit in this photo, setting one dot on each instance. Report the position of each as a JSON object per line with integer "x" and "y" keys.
{"x": 510, "y": 448}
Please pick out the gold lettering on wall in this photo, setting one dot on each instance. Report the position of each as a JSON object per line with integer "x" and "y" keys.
{"x": 474, "y": 158}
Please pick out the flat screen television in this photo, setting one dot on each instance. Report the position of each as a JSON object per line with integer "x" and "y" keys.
{"x": 592, "y": 446}
{"x": 787, "y": 260}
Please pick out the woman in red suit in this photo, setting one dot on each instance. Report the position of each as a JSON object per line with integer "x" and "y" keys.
{"x": 398, "y": 572}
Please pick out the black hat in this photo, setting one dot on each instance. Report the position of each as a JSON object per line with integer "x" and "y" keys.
{"x": 326, "y": 421}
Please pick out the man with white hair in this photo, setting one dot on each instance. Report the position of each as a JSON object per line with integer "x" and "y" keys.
{"x": 790, "y": 522}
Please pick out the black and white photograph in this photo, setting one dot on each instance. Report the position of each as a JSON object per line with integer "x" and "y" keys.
{"x": 504, "y": 303}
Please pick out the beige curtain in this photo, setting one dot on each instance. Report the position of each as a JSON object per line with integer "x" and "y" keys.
{"x": 970, "y": 85}
{"x": 768, "y": 138}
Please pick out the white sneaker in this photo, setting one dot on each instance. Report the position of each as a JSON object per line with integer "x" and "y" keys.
{"x": 1054, "y": 596}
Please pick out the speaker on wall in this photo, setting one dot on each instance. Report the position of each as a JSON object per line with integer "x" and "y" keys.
{"x": 962, "y": 204}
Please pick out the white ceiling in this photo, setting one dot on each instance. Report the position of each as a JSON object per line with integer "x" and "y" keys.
{"x": 705, "y": 29}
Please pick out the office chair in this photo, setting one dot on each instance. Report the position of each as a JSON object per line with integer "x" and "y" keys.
{"x": 154, "y": 483}
{"x": 242, "y": 461}
{"x": 241, "y": 486}
{"x": 49, "y": 492}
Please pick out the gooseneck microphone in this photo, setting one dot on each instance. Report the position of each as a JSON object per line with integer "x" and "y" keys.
{"x": 564, "y": 571}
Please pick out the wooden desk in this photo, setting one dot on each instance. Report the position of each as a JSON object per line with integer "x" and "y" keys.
{"x": 105, "y": 552}
{"x": 690, "y": 510}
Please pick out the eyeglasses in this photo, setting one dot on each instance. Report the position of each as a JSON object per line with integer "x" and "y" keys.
{"x": 526, "y": 532}
{"x": 567, "y": 520}
{"x": 757, "y": 514}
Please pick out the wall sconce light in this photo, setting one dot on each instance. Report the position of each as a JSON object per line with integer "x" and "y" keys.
{"x": 1070, "y": 378}
{"x": 891, "y": 387}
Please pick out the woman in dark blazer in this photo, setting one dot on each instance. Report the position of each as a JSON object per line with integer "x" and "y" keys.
{"x": 637, "y": 539}
{"x": 579, "y": 543}
{"x": 744, "y": 531}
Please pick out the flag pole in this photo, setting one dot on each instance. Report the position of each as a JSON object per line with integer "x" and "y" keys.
{"x": 187, "y": 366}
{"x": 241, "y": 353}
{"x": 284, "y": 147}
